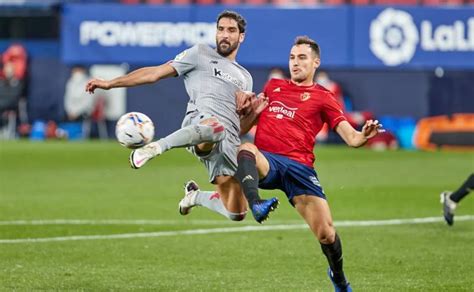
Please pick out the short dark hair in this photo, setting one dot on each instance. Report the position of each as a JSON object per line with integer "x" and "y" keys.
{"x": 305, "y": 40}
{"x": 235, "y": 16}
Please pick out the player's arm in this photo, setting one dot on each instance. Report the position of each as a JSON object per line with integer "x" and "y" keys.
{"x": 138, "y": 77}
{"x": 249, "y": 114}
{"x": 355, "y": 138}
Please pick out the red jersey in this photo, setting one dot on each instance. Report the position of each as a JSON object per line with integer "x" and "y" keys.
{"x": 294, "y": 116}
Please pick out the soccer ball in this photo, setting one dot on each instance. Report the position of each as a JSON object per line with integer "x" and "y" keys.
{"x": 134, "y": 130}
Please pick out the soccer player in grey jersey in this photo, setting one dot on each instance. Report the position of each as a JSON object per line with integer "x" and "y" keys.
{"x": 211, "y": 126}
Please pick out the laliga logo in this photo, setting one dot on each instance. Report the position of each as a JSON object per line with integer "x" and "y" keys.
{"x": 393, "y": 37}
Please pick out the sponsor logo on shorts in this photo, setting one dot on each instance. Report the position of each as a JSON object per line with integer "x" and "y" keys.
{"x": 314, "y": 180}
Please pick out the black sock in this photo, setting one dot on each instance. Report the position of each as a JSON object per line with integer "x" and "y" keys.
{"x": 333, "y": 253}
{"x": 463, "y": 190}
{"x": 247, "y": 175}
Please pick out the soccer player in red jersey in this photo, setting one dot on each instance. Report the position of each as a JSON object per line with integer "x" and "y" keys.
{"x": 282, "y": 157}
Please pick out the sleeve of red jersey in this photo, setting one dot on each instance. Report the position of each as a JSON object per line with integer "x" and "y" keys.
{"x": 332, "y": 111}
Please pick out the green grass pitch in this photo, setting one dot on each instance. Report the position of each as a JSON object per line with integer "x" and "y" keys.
{"x": 92, "y": 181}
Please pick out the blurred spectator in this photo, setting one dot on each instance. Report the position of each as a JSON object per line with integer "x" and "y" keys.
{"x": 357, "y": 119}
{"x": 110, "y": 104}
{"x": 14, "y": 62}
{"x": 276, "y": 73}
{"x": 322, "y": 78}
{"x": 12, "y": 89}
{"x": 78, "y": 104}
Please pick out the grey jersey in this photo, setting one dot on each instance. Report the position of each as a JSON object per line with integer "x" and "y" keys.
{"x": 211, "y": 82}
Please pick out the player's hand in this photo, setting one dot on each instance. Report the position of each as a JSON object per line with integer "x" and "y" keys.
{"x": 95, "y": 83}
{"x": 259, "y": 104}
{"x": 243, "y": 100}
{"x": 372, "y": 128}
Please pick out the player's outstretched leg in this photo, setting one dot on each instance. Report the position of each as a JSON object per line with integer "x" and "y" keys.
{"x": 189, "y": 201}
{"x": 248, "y": 177}
{"x": 315, "y": 210}
{"x": 140, "y": 156}
{"x": 451, "y": 199}
{"x": 448, "y": 207}
{"x": 193, "y": 197}
{"x": 333, "y": 253}
{"x": 209, "y": 131}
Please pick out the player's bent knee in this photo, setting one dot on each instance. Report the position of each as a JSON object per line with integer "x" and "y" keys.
{"x": 211, "y": 132}
{"x": 248, "y": 147}
{"x": 326, "y": 236}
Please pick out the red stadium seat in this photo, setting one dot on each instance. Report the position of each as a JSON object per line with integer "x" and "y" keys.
{"x": 454, "y": 2}
{"x": 230, "y": 2}
{"x": 181, "y": 2}
{"x": 308, "y": 2}
{"x": 282, "y": 2}
{"x": 396, "y": 2}
{"x": 131, "y": 1}
{"x": 256, "y": 2}
{"x": 206, "y": 2}
{"x": 361, "y": 2}
{"x": 156, "y": 1}
{"x": 446, "y": 2}
{"x": 334, "y": 2}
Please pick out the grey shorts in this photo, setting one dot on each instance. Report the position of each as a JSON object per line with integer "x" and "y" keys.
{"x": 222, "y": 160}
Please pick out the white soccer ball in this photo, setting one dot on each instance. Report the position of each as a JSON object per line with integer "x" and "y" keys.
{"x": 134, "y": 130}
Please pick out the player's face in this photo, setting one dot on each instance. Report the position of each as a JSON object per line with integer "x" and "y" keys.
{"x": 303, "y": 63}
{"x": 228, "y": 37}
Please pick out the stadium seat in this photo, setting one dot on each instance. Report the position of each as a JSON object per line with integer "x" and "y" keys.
{"x": 432, "y": 2}
{"x": 282, "y": 2}
{"x": 230, "y": 2}
{"x": 309, "y": 2}
{"x": 361, "y": 2}
{"x": 181, "y": 2}
{"x": 130, "y": 1}
{"x": 334, "y": 2}
{"x": 206, "y": 2}
{"x": 396, "y": 2}
{"x": 155, "y": 1}
{"x": 256, "y": 2}
{"x": 446, "y": 2}
{"x": 454, "y": 2}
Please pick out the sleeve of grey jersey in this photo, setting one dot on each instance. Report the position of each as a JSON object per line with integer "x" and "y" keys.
{"x": 186, "y": 61}
{"x": 249, "y": 82}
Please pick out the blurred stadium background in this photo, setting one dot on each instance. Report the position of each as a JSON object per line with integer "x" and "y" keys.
{"x": 400, "y": 63}
{"x": 408, "y": 63}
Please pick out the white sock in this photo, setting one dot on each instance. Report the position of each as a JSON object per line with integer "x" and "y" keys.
{"x": 212, "y": 201}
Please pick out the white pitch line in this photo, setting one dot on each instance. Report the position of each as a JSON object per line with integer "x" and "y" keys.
{"x": 119, "y": 222}
{"x": 219, "y": 222}
{"x": 234, "y": 229}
